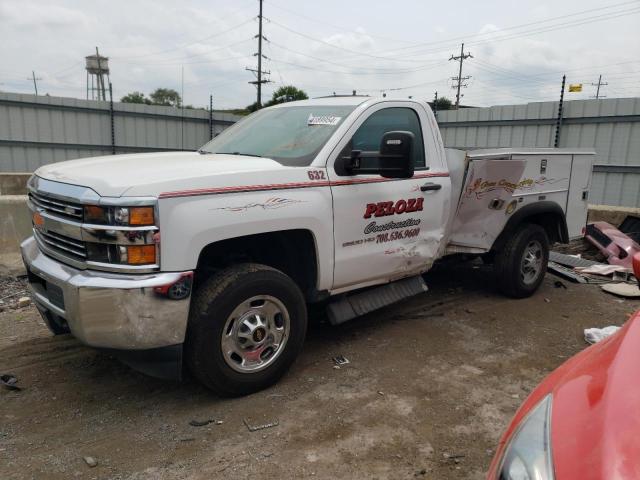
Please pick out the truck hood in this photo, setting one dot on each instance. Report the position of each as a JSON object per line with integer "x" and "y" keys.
{"x": 150, "y": 174}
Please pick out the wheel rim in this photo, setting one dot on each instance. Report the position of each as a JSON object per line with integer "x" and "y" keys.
{"x": 531, "y": 265}
{"x": 255, "y": 334}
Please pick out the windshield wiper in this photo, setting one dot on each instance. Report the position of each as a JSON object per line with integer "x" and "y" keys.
{"x": 239, "y": 153}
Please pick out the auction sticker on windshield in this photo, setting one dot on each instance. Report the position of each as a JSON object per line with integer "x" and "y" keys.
{"x": 323, "y": 120}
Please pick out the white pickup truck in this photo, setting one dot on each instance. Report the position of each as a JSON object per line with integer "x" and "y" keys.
{"x": 214, "y": 255}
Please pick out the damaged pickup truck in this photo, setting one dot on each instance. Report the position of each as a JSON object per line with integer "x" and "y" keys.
{"x": 212, "y": 257}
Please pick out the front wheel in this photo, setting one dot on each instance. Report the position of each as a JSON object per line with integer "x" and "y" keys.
{"x": 522, "y": 263}
{"x": 246, "y": 327}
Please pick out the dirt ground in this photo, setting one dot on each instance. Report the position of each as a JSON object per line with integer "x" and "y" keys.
{"x": 432, "y": 383}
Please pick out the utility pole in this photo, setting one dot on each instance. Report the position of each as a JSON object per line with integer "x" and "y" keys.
{"x": 258, "y": 83}
{"x": 210, "y": 117}
{"x": 35, "y": 81}
{"x": 460, "y": 79}
{"x": 435, "y": 105}
{"x": 599, "y": 84}
{"x": 556, "y": 142}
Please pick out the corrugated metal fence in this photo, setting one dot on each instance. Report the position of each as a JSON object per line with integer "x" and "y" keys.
{"x": 36, "y": 130}
{"x": 611, "y": 127}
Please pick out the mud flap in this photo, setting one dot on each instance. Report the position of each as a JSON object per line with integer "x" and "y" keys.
{"x": 356, "y": 304}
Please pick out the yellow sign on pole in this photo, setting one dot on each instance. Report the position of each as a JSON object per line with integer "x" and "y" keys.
{"x": 575, "y": 87}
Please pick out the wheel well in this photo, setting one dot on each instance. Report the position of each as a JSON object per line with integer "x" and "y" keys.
{"x": 548, "y": 215}
{"x": 552, "y": 224}
{"x": 293, "y": 252}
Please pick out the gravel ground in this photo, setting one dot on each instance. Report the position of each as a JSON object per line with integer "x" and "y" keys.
{"x": 430, "y": 386}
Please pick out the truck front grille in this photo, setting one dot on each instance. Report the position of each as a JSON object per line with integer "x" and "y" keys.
{"x": 63, "y": 245}
{"x": 56, "y": 206}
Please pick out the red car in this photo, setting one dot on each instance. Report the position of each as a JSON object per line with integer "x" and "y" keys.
{"x": 583, "y": 421}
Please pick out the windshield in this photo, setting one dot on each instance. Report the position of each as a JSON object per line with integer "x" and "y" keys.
{"x": 292, "y": 136}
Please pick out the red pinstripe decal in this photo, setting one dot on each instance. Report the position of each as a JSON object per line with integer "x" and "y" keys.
{"x": 286, "y": 186}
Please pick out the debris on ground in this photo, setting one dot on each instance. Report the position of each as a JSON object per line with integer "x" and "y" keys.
{"x": 452, "y": 457}
{"x": 24, "y": 302}
{"x": 255, "y": 428}
{"x": 616, "y": 246}
{"x": 631, "y": 226}
{"x": 628, "y": 290}
{"x": 570, "y": 260}
{"x": 92, "y": 462}
{"x": 9, "y": 381}
{"x": 202, "y": 423}
{"x": 13, "y": 292}
{"x": 586, "y": 271}
{"x": 559, "y": 284}
{"x": 340, "y": 360}
{"x": 594, "y": 335}
{"x": 565, "y": 272}
{"x": 602, "y": 269}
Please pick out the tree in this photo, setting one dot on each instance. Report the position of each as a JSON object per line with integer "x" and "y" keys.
{"x": 444, "y": 103}
{"x": 253, "y": 107}
{"x": 287, "y": 93}
{"x": 135, "y": 97}
{"x": 165, "y": 96}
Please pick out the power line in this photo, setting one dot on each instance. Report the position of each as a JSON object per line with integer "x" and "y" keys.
{"x": 200, "y": 40}
{"x": 517, "y": 35}
{"x": 309, "y": 37}
{"x": 181, "y": 59}
{"x": 513, "y": 27}
{"x": 460, "y": 79}
{"x": 357, "y": 71}
{"x": 337, "y": 27}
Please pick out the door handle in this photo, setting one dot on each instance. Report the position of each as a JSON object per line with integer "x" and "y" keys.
{"x": 430, "y": 186}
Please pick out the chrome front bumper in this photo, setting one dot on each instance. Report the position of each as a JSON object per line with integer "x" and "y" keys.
{"x": 106, "y": 310}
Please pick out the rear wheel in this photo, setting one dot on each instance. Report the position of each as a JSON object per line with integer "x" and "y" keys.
{"x": 246, "y": 327}
{"x": 522, "y": 263}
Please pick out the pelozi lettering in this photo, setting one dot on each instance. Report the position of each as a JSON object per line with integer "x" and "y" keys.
{"x": 382, "y": 209}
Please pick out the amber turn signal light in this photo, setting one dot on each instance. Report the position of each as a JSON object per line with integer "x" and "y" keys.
{"x": 141, "y": 254}
{"x": 141, "y": 216}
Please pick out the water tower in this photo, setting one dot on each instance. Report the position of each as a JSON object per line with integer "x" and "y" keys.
{"x": 97, "y": 67}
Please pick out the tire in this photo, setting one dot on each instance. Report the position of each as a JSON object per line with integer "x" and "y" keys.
{"x": 517, "y": 276}
{"x": 230, "y": 308}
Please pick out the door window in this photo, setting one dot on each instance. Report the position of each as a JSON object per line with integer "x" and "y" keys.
{"x": 370, "y": 133}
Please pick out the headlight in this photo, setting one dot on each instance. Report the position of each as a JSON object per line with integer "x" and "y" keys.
{"x": 125, "y": 216}
{"x": 528, "y": 454}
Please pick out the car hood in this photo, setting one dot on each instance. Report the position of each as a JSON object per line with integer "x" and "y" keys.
{"x": 150, "y": 174}
{"x": 596, "y": 410}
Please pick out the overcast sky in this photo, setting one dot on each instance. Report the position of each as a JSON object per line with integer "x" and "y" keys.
{"x": 520, "y": 48}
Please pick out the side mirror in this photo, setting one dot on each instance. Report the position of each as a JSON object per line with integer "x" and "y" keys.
{"x": 393, "y": 160}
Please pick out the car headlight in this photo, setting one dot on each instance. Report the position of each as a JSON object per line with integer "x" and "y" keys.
{"x": 126, "y": 216}
{"x": 528, "y": 455}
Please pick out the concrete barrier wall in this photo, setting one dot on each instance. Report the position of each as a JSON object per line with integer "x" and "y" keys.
{"x": 15, "y": 226}
{"x": 14, "y": 183}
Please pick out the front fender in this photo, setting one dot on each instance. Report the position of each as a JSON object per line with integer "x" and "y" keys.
{"x": 189, "y": 224}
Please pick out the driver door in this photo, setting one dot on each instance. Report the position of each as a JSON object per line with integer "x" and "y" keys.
{"x": 385, "y": 229}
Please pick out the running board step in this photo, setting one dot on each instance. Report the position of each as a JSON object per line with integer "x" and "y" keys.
{"x": 356, "y": 304}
